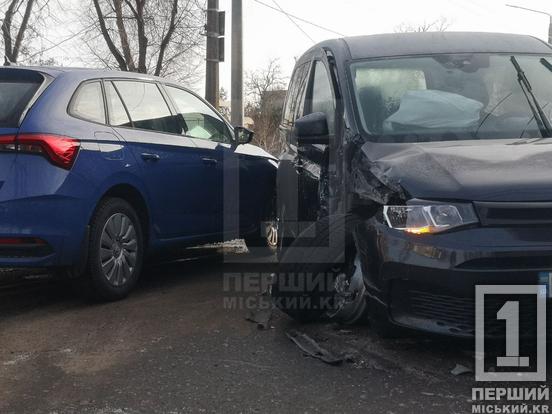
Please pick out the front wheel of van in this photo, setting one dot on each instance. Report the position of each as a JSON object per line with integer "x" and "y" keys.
{"x": 264, "y": 241}
{"x": 116, "y": 251}
{"x": 319, "y": 275}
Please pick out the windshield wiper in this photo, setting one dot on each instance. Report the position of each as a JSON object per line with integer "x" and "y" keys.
{"x": 546, "y": 64}
{"x": 541, "y": 118}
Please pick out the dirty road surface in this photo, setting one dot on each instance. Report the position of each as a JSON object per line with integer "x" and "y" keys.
{"x": 175, "y": 346}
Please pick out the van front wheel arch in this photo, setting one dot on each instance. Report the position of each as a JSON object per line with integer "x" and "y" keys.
{"x": 315, "y": 276}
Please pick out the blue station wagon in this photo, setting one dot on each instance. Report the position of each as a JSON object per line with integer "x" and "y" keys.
{"x": 99, "y": 168}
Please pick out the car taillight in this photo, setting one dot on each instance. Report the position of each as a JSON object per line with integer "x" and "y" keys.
{"x": 59, "y": 150}
{"x": 7, "y": 143}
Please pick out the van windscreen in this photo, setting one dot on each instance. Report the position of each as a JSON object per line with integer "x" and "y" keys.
{"x": 17, "y": 88}
{"x": 453, "y": 97}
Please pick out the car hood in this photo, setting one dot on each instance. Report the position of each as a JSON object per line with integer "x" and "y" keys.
{"x": 482, "y": 170}
{"x": 254, "y": 151}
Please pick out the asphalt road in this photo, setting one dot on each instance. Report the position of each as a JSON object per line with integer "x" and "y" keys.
{"x": 175, "y": 346}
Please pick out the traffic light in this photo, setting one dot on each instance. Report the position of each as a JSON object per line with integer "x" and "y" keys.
{"x": 216, "y": 28}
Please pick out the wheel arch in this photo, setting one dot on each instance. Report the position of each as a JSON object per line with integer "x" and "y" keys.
{"x": 134, "y": 197}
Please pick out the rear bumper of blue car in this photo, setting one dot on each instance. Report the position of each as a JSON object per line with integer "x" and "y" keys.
{"x": 46, "y": 231}
{"x": 44, "y": 213}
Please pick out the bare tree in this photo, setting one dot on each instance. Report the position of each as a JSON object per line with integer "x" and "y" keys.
{"x": 20, "y": 21}
{"x": 224, "y": 104}
{"x": 440, "y": 25}
{"x": 159, "y": 37}
{"x": 266, "y": 92}
{"x": 258, "y": 82}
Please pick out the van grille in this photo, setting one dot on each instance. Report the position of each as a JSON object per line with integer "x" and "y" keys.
{"x": 514, "y": 214}
{"x": 509, "y": 263}
{"x": 457, "y": 314}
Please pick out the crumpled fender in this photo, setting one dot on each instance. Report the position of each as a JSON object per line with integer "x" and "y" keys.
{"x": 373, "y": 181}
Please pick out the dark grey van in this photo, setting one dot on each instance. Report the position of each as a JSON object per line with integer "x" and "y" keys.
{"x": 416, "y": 167}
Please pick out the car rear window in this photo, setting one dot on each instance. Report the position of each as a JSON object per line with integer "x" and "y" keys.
{"x": 17, "y": 89}
{"x": 88, "y": 103}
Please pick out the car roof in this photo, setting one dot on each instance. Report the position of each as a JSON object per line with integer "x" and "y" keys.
{"x": 428, "y": 43}
{"x": 83, "y": 73}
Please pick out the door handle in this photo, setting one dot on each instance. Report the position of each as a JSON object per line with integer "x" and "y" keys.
{"x": 209, "y": 161}
{"x": 150, "y": 157}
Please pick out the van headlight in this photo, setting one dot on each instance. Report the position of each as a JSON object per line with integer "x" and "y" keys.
{"x": 429, "y": 218}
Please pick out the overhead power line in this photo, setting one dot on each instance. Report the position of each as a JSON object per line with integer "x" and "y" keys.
{"x": 279, "y": 10}
{"x": 528, "y": 9}
{"x": 58, "y": 44}
{"x": 294, "y": 22}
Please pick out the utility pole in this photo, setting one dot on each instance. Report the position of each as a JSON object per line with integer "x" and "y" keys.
{"x": 214, "y": 29}
{"x": 237, "y": 63}
{"x": 539, "y": 12}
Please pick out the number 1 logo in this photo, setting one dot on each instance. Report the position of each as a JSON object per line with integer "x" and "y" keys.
{"x": 510, "y": 313}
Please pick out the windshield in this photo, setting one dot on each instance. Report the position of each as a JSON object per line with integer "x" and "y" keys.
{"x": 452, "y": 97}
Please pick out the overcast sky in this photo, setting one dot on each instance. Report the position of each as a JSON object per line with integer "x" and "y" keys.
{"x": 270, "y": 34}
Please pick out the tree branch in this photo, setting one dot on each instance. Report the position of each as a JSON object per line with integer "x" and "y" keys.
{"x": 166, "y": 38}
{"x": 131, "y": 7}
{"x": 142, "y": 39}
{"x": 6, "y": 31}
{"x": 123, "y": 34}
{"x": 22, "y": 29}
{"x": 112, "y": 48}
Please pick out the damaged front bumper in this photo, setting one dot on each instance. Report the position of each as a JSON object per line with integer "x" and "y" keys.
{"x": 428, "y": 282}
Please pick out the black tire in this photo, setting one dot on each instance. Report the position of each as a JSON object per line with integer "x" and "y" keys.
{"x": 98, "y": 284}
{"x": 311, "y": 256}
{"x": 264, "y": 241}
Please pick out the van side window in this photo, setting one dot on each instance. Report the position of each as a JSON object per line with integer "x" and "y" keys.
{"x": 117, "y": 112}
{"x": 199, "y": 121}
{"x": 322, "y": 99}
{"x": 88, "y": 103}
{"x": 293, "y": 108}
{"x": 147, "y": 107}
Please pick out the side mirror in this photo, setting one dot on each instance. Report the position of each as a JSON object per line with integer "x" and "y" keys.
{"x": 243, "y": 135}
{"x": 312, "y": 129}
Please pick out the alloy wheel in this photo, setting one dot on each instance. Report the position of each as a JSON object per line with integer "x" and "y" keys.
{"x": 272, "y": 234}
{"x": 118, "y": 249}
{"x": 350, "y": 299}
